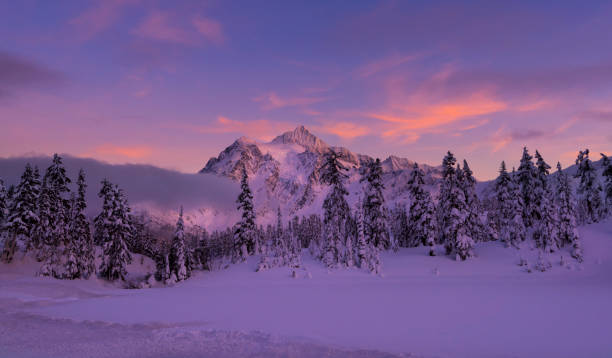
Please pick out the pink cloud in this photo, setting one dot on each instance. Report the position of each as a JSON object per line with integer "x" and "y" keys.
{"x": 417, "y": 117}
{"x": 158, "y": 26}
{"x": 130, "y": 152}
{"x": 99, "y": 17}
{"x": 210, "y": 29}
{"x": 262, "y": 129}
{"x": 345, "y": 130}
{"x": 165, "y": 27}
{"x": 273, "y": 101}
{"x": 384, "y": 64}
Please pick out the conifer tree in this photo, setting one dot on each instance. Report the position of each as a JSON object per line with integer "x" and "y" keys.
{"x": 162, "y": 264}
{"x": 101, "y": 222}
{"x": 421, "y": 218}
{"x": 568, "y": 234}
{"x": 178, "y": 268}
{"x": 55, "y": 217}
{"x": 452, "y": 211}
{"x": 374, "y": 207}
{"x": 546, "y": 222}
{"x": 606, "y": 172}
{"x": 244, "y": 235}
{"x": 475, "y": 227}
{"x": 336, "y": 211}
{"x": 590, "y": 204}
{"x": 79, "y": 251}
{"x": 527, "y": 181}
{"x": 114, "y": 228}
{"x": 22, "y": 218}
{"x": 399, "y": 226}
{"x": 508, "y": 214}
{"x": 368, "y": 257}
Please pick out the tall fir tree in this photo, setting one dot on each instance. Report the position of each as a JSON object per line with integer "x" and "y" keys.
{"x": 55, "y": 218}
{"x": 245, "y": 232}
{"x": 566, "y": 208}
{"x": 475, "y": 226}
{"x": 101, "y": 222}
{"x": 527, "y": 181}
{"x": 606, "y": 172}
{"x": 178, "y": 255}
{"x": 545, "y": 231}
{"x": 336, "y": 211}
{"x": 22, "y": 218}
{"x": 79, "y": 252}
{"x": 590, "y": 203}
{"x": 114, "y": 228}
{"x": 508, "y": 214}
{"x": 421, "y": 217}
{"x": 452, "y": 211}
{"x": 399, "y": 226}
{"x": 368, "y": 257}
{"x": 374, "y": 207}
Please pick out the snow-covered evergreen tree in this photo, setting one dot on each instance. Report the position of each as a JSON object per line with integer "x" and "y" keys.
{"x": 475, "y": 226}
{"x": 55, "y": 218}
{"x": 79, "y": 251}
{"x": 527, "y": 181}
{"x": 590, "y": 203}
{"x": 101, "y": 221}
{"x": 178, "y": 269}
{"x": 368, "y": 257}
{"x": 566, "y": 208}
{"x": 508, "y": 210}
{"x": 162, "y": 263}
{"x": 545, "y": 215}
{"x": 452, "y": 211}
{"x": 399, "y": 226}
{"x": 245, "y": 233}
{"x": 421, "y": 217}
{"x": 375, "y": 221}
{"x": 606, "y": 172}
{"x": 114, "y": 228}
{"x": 282, "y": 248}
{"x": 22, "y": 218}
{"x": 336, "y": 211}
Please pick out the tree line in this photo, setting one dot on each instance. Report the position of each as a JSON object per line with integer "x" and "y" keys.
{"x": 45, "y": 218}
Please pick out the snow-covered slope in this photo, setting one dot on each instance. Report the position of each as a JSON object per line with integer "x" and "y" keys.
{"x": 423, "y": 307}
{"x": 285, "y": 172}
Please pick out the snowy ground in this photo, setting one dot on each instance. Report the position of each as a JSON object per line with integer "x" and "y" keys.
{"x": 423, "y": 306}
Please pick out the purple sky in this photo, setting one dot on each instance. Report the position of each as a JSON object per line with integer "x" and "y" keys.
{"x": 171, "y": 83}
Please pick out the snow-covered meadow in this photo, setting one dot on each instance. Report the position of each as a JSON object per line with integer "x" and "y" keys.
{"x": 421, "y": 306}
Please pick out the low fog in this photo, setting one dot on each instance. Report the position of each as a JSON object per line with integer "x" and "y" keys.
{"x": 162, "y": 188}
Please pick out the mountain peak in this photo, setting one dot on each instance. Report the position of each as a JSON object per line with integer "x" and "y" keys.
{"x": 300, "y": 135}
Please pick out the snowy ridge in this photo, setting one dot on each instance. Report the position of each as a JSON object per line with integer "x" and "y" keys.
{"x": 285, "y": 172}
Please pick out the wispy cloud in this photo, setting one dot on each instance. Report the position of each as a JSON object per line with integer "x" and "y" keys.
{"x": 261, "y": 129}
{"x": 272, "y": 101}
{"x": 129, "y": 152}
{"x": 345, "y": 130}
{"x": 418, "y": 118}
{"x": 168, "y": 27}
{"x": 384, "y": 64}
{"x": 17, "y": 72}
{"x": 99, "y": 17}
{"x": 158, "y": 26}
{"x": 210, "y": 29}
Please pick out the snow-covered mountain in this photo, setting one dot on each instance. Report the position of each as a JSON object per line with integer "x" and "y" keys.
{"x": 285, "y": 172}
